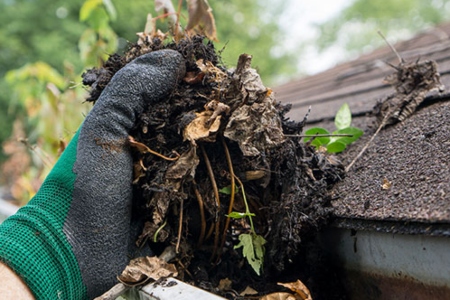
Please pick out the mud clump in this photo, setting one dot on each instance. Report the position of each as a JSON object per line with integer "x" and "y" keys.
{"x": 218, "y": 146}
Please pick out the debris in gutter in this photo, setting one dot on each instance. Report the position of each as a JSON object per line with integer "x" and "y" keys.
{"x": 223, "y": 130}
{"x": 412, "y": 82}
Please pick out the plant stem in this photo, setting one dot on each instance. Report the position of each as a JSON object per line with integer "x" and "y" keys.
{"x": 155, "y": 236}
{"x": 180, "y": 226}
{"x": 202, "y": 214}
{"x": 232, "y": 194}
{"x": 247, "y": 209}
{"x": 216, "y": 195}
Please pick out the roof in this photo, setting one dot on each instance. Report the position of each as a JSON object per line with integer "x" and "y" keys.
{"x": 413, "y": 156}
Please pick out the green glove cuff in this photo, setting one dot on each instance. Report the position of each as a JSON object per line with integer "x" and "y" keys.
{"x": 32, "y": 241}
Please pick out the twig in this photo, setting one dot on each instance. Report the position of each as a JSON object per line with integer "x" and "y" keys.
{"x": 45, "y": 158}
{"x": 400, "y": 59}
{"x": 180, "y": 226}
{"x": 145, "y": 149}
{"x": 318, "y": 135}
{"x": 210, "y": 231}
{"x": 368, "y": 143}
{"x": 232, "y": 195}
{"x": 216, "y": 195}
{"x": 202, "y": 214}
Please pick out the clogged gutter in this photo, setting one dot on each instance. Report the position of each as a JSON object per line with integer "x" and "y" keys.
{"x": 217, "y": 177}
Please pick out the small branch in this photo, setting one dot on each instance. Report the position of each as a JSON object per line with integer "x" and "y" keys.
{"x": 232, "y": 195}
{"x": 368, "y": 143}
{"x": 180, "y": 226}
{"x": 318, "y": 135}
{"x": 145, "y": 149}
{"x": 45, "y": 158}
{"x": 202, "y": 214}
{"x": 216, "y": 195}
{"x": 400, "y": 59}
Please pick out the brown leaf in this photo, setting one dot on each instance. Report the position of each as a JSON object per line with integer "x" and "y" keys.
{"x": 143, "y": 269}
{"x": 183, "y": 169}
{"x": 167, "y": 7}
{"x": 299, "y": 288}
{"x": 213, "y": 73}
{"x": 249, "y": 291}
{"x": 200, "y": 129}
{"x": 139, "y": 171}
{"x": 280, "y": 296}
{"x": 225, "y": 284}
{"x": 386, "y": 184}
{"x": 255, "y": 127}
{"x": 200, "y": 14}
{"x": 194, "y": 77}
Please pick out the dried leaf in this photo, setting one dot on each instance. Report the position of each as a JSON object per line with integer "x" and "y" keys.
{"x": 213, "y": 73}
{"x": 412, "y": 83}
{"x": 225, "y": 284}
{"x": 139, "y": 171}
{"x": 256, "y": 127}
{"x": 183, "y": 169}
{"x": 194, "y": 77}
{"x": 200, "y": 130}
{"x": 280, "y": 296}
{"x": 249, "y": 291}
{"x": 386, "y": 184}
{"x": 143, "y": 269}
{"x": 299, "y": 288}
{"x": 201, "y": 18}
{"x": 167, "y": 7}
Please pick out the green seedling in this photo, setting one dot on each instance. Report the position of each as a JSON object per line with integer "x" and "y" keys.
{"x": 334, "y": 142}
{"x": 251, "y": 243}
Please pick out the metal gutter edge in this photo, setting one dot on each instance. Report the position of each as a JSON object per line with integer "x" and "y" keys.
{"x": 400, "y": 227}
{"x": 171, "y": 288}
{"x": 379, "y": 265}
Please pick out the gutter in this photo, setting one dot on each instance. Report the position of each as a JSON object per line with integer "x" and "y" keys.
{"x": 377, "y": 263}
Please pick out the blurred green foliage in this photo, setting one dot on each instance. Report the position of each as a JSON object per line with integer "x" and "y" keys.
{"x": 355, "y": 28}
{"x": 81, "y": 33}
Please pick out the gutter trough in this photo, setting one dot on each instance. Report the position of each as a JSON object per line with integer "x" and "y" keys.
{"x": 387, "y": 265}
{"x": 376, "y": 260}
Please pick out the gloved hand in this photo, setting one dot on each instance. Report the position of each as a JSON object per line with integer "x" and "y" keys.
{"x": 72, "y": 239}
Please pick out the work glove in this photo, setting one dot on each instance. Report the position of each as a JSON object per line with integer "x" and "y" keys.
{"x": 73, "y": 238}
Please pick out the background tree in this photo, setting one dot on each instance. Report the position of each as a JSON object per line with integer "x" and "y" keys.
{"x": 355, "y": 28}
{"x": 50, "y": 30}
{"x": 46, "y": 53}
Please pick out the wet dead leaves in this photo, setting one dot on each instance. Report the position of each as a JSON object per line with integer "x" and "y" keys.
{"x": 298, "y": 291}
{"x": 142, "y": 270}
{"x": 412, "y": 82}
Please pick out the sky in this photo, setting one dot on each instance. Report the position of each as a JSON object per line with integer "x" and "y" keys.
{"x": 299, "y": 24}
